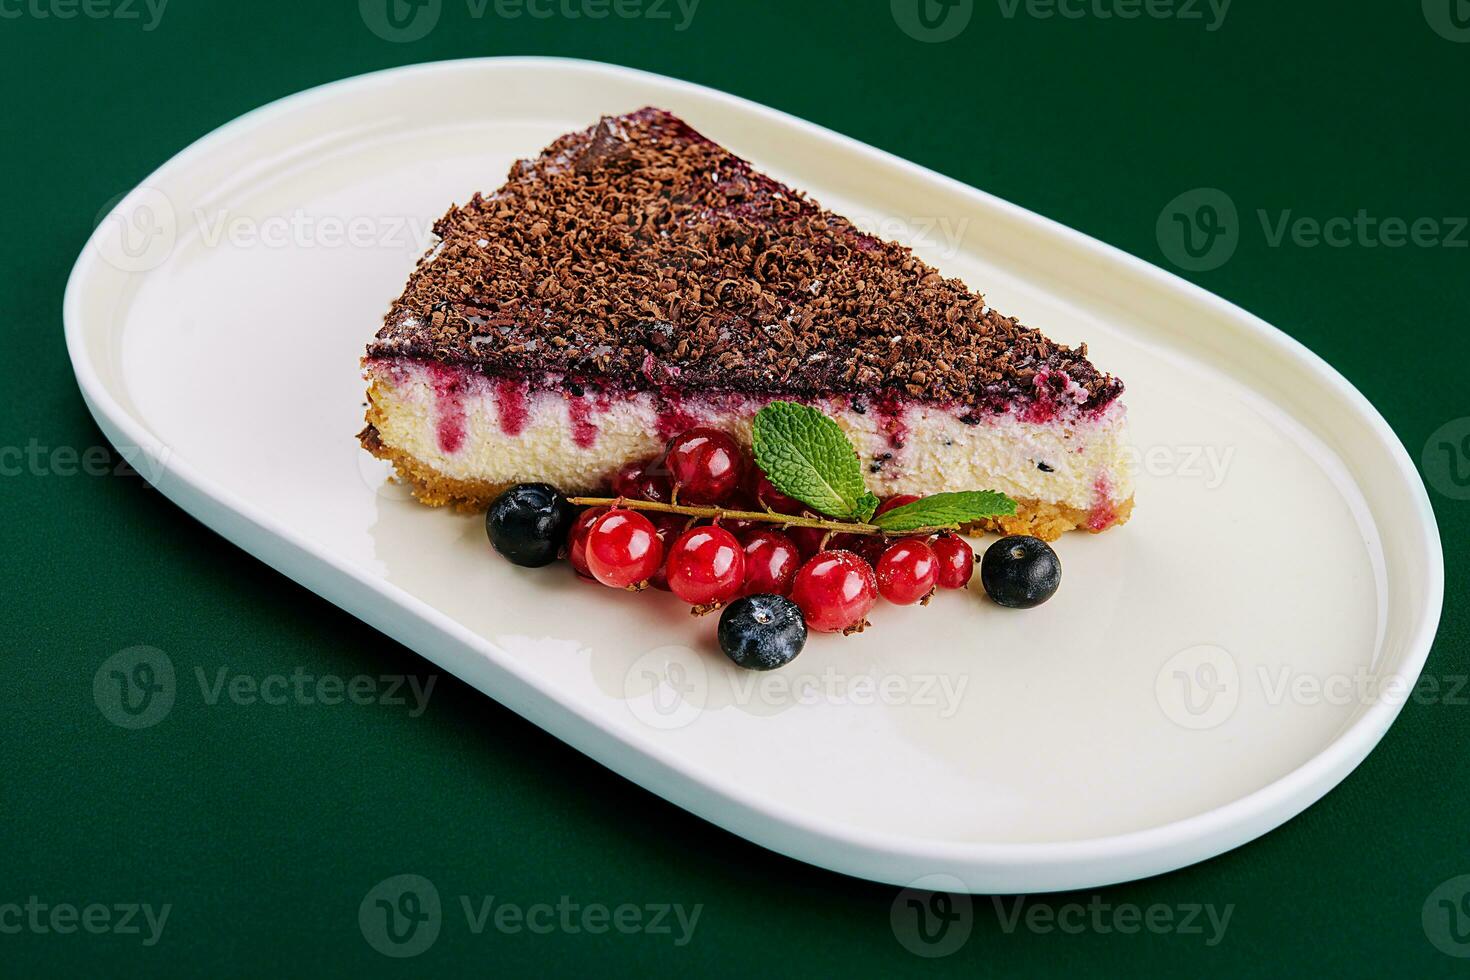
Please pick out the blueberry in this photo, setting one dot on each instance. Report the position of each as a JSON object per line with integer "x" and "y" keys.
{"x": 528, "y": 524}
{"x": 762, "y": 632}
{"x": 1020, "y": 571}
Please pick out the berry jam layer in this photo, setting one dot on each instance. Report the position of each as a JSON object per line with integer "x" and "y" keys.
{"x": 458, "y": 436}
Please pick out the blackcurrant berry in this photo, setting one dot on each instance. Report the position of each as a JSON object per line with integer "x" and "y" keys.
{"x": 1020, "y": 572}
{"x": 528, "y": 523}
{"x": 762, "y": 632}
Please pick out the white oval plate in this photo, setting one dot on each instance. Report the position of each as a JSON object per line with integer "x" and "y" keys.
{"x": 1205, "y": 673}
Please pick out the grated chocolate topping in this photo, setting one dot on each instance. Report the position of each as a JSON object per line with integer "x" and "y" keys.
{"x": 638, "y": 254}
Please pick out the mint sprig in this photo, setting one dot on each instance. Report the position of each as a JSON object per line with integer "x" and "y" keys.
{"x": 807, "y": 457}
{"x": 943, "y": 510}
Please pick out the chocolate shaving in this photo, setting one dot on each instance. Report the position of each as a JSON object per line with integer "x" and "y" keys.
{"x": 638, "y": 251}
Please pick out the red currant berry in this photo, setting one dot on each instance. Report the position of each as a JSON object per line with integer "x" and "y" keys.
{"x": 669, "y": 527}
{"x": 706, "y": 565}
{"x": 627, "y": 481}
{"x": 771, "y": 561}
{"x": 577, "y": 539}
{"x": 907, "y": 572}
{"x": 835, "y": 591}
{"x": 654, "y": 484}
{"x": 772, "y": 499}
{"x": 706, "y": 465}
{"x": 808, "y": 540}
{"x": 623, "y": 549}
{"x": 741, "y": 501}
{"x": 741, "y": 528}
{"x": 898, "y": 500}
{"x": 868, "y": 547}
{"x": 956, "y": 561}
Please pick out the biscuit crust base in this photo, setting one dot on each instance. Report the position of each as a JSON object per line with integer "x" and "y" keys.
{"x": 1046, "y": 521}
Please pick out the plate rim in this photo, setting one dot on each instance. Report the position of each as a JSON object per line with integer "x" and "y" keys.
{"x": 1013, "y": 867}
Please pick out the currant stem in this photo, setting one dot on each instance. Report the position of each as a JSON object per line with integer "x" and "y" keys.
{"x": 788, "y": 520}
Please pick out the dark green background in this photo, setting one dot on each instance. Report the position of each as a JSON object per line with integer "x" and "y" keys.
{"x": 265, "y": 827}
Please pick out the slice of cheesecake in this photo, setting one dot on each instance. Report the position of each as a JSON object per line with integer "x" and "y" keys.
{"x": 638, "y": 279}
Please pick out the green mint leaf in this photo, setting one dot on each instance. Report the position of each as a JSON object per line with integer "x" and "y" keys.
{"x": 867, "y": 506}
{"x": 943, "y": 510}
{"x": 807, "y": 457}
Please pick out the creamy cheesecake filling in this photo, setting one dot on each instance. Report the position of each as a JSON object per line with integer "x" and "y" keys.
{"x": 470, "y": 428}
